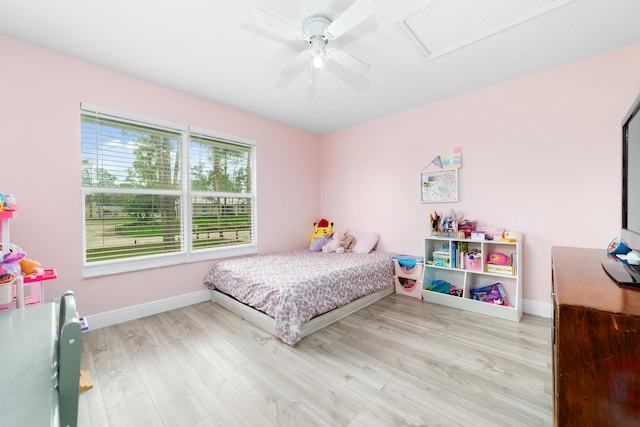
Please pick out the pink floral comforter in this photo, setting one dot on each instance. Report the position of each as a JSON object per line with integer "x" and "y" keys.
{"x": 293, "y": 287}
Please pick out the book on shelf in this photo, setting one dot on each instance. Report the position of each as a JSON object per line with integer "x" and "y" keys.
{"x": 454, "y": 255}
{"x": 442, "y": 251}
{"x": 442, "y": 261}
{"x": 500, "y": 269}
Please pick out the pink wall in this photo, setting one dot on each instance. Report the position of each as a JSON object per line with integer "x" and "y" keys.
{"x": 545, "y": 147}
{"x": 40, "y": 96}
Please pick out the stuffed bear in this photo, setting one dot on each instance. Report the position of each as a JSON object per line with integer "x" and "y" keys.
{"x": 349, "y": 243}
{"x": 337, "y": 243}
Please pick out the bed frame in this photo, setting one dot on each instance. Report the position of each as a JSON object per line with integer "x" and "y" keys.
{"x": 267, "y": 323}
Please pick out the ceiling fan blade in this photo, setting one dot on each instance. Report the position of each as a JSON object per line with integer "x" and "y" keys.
{"x": 300, "y": 59}
{"x": 263, "y": 31}
{"x": 355, "y": 14}
{"x": 349, "y": 62}
{"x": 276, "y": 24}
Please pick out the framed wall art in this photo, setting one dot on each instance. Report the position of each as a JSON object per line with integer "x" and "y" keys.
{"x": 439, "y": 186}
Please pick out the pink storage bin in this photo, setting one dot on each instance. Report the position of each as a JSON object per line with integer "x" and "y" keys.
{"x": 408, "y": 287}
{"x": 474, "y": 264}
{"x": 411, "y": 273}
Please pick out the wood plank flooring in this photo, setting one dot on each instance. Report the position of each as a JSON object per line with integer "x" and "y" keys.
{"x": 399, "y": 362}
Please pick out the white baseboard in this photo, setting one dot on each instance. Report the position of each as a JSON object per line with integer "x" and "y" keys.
{"x": 114, "y": 317}
{"x": 537, "y": 308}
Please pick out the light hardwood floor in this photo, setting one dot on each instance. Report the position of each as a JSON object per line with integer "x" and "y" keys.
{"x": 399, "y": 362}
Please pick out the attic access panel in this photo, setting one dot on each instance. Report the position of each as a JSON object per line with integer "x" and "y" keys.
{"x": 439, "y": 27}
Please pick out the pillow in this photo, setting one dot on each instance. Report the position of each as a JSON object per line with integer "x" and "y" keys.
{"x": 365, "y": 242}
{"x": 319, "y": 242}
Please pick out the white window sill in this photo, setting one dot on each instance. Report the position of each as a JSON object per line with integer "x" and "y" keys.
{"x": 104, "y": 268}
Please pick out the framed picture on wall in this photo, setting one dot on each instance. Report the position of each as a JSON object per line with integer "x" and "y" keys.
{"x": 439, "y": 186}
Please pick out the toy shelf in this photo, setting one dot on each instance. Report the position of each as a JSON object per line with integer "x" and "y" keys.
{"x": 33, "y": 290}
{"x": 47, "y": 274}
{"x": 5, "y": 216}
{"x": 447, "y": 260}
{"x": 32, "y": 286}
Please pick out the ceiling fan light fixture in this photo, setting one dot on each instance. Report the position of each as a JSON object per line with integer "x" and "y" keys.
{"x": 318, "y": 61}
{"x": 318, "y": 49}
{"x": 317, "y": 30}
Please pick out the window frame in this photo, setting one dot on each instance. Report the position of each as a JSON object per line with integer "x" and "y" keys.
{"x": 186, "y": 254}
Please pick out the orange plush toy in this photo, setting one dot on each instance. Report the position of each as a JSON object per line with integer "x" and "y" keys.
{"x": 30, "y": 267}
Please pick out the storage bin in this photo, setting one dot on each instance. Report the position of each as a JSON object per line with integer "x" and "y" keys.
{"x": 32, "y": 294}
{"x": 411, "y": 273}
{"x": 408, "y": 287}
{"x": 7, "y": 292}
{"x": 474, "y": 264}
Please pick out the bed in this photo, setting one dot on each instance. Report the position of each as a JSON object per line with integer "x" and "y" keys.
{"x": 293, "y": 294}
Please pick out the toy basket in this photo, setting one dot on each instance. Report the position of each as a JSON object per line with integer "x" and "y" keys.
{"x": 408, "y": 287}
{"x": 7, "y": 292}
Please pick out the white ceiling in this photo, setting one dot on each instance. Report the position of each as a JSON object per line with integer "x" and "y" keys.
{"x": 420, "y": 51}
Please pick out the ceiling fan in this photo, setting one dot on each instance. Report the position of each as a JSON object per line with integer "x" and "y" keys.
{"x": 318, "y": 30}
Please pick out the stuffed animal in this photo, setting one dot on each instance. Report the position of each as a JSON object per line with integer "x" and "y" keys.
{"x": 11, "y": 260}
{"x": 318, "y": 243}
{"x": 349, "y": 243}
{"x": 322, "y": 228}
{"x": 14, "y": 254}
{"x": 337, "y": 244}
{"x": 322, "y": 235}
{"x": 29, "y": 267}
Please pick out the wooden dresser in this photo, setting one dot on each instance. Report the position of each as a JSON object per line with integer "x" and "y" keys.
{"x": 596, "y": 343}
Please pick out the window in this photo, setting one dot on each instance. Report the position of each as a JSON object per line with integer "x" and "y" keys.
{"x": 157, "y": 194}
